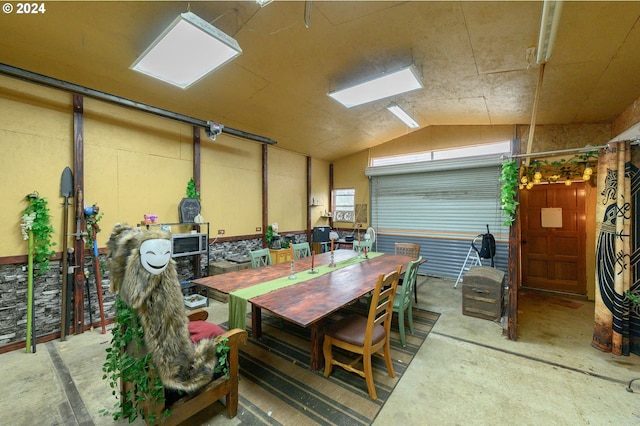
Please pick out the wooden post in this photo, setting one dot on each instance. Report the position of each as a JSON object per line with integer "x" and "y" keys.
{"x": 78, "y": 176}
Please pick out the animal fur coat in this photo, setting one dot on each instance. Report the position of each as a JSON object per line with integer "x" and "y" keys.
{"x": 158, "y": 301}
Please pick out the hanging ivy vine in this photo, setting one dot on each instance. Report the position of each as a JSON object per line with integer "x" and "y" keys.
{"x": 122, "y": 365}
{"x": 36, "y": 218}
{"x": 509, "y": 191}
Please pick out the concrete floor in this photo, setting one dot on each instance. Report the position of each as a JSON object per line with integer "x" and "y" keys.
{"x": 466, "y": 373}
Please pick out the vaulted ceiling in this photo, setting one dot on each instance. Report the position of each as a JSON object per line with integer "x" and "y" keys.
{"x": 472, "y": 56}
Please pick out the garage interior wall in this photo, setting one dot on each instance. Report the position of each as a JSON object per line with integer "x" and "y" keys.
{"x": 137, "y": 163}
{"x": 442, "y": 210}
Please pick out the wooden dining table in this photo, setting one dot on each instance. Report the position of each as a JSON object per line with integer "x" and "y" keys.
{"x": 309, "y": 302}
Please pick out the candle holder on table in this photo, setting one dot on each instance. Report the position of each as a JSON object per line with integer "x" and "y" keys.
{"x": 313, "y": 257}
{"x": 293, "y": 272}
{"x": 332, "y": 263}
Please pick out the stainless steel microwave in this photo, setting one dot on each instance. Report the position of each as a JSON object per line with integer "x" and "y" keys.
{"x": 188, "y": 244}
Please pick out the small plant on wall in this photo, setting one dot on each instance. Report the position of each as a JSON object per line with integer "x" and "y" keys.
{"x": 36, "y": 218}
{"x": 509, "y": 191}
{"x": 192, "y": 192}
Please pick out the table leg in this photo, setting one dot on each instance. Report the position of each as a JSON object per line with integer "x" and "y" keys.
{"x": 256, "y": 321}
{"x": 317, "y": 339}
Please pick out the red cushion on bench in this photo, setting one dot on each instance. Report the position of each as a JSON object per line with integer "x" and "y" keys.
{"x": 199, "y": 330}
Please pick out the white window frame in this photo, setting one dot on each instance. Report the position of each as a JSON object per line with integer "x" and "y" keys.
{"x": 344, "y": 205}
{"x": 501, "y": 147}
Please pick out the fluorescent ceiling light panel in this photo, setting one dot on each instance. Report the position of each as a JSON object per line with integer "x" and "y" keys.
{"x": 402, "y": 115}
{"x": 380, "y": 87}
{"x": 551, "y": 11}
{"x": 186, "y": 51}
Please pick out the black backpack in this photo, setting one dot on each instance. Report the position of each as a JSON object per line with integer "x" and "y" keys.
{"x": 488, "y": 249}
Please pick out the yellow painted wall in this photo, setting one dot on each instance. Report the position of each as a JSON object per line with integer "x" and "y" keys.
{"x": 348, "y": 172}
{"x": 138, "y": 163}
{"x": 35, "y": 135}
{"x": 134, "y": 164}
{"x": 287, "y": 189}
{"x": 231, "y": 187}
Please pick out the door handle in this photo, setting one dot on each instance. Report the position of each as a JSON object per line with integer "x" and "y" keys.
{"x": 524, "y": 241}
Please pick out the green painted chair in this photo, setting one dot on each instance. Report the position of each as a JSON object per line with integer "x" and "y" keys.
{"x": 260, "y": 258}
{"x": 359, "y": 246}
{"x": 301, "y": 250}
{"x": 403, "y": 302}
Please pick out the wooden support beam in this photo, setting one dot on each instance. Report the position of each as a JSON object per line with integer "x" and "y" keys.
{"x": 513, "y": 269}
{"x": 331, "y": 194}
{"x": 265, "y": 193}
{"x": 309, "y": 175}
{"x": 80, "y": 225}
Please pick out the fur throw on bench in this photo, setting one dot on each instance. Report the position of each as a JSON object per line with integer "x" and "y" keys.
{"x": 144, "y": 274}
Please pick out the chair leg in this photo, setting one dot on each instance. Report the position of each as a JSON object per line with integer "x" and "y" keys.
{"x": 387, "y": 357}
{"x": 232, "y": 402}
{"x": 401, "y": 327}
{"x": 410, "y": 315}
{"x": 368, "y": 375}
{"x": 328, "y": 356}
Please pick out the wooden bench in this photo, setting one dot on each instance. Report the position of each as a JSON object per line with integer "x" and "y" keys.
{"x": 191, "y": 404}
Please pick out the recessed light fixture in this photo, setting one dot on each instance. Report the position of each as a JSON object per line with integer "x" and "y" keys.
{"x": 402, "y": 115}
{"x": 380, "y": 87}
{"x": 186, "y": 51}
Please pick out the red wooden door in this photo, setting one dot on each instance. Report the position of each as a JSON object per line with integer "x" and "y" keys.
{"x": 553, "y": 258}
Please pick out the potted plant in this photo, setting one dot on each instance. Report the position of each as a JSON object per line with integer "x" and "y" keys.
{"x": 269, "y": 235}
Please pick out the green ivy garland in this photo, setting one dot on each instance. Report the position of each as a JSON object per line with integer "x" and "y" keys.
{"x": 509, "y": 191}
{"x": 36, "y": 218}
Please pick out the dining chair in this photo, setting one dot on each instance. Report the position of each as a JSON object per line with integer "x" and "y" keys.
{"x": 301, "y": 250}
{"x": 359, "y": 246}
{"x": 260, "y": 257}
{"x": 365, "y": 335}
{"x": 412, "y": 250}
{"x": 403, "y": 301}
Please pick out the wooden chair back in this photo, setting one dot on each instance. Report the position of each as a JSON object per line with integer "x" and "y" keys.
{"x": 365, "y": 336}
{"x": 381, "y": 307}
{"x": 408, "y": 249}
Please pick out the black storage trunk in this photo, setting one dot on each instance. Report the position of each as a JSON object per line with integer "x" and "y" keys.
{"x": 482, "y": 292}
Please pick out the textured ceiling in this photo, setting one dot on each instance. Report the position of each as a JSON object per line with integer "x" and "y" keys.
{"x": 472, "y": 55}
